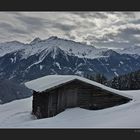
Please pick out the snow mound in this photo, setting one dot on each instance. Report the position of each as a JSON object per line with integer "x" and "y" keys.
{"x": 17, "y": 114}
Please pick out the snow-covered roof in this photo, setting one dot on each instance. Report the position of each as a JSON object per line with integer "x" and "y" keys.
{"x": 53, "y": 81}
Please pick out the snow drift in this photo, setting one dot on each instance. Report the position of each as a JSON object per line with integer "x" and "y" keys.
{"x": 17, "y": 114}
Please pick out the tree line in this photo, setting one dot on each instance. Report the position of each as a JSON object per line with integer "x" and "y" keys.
{"x": 130, "y": 81}
{"x": 100, "y": 78}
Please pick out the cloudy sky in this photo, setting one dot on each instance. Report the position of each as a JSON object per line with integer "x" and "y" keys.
{"x": 101, "y": 29}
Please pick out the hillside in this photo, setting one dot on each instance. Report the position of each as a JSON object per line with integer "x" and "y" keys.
{"x": 17, "y": 114}
{"x": 9, "y": 91}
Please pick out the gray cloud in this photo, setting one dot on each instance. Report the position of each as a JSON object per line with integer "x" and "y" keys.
{"x": 63, "y": 27}
{"x": 32, "y": 23}
{"x": 111, "y": 29}
{"x": 9, "y": 28}
{"x": 130, "y": 30}
{"x": 91, "y": 14}
{"x": 69, "y": 36}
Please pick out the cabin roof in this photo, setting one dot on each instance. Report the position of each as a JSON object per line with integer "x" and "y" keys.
{"x": 54, "y": 81}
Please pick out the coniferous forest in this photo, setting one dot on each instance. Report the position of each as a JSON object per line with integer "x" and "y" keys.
{"x": 130, "y": 81}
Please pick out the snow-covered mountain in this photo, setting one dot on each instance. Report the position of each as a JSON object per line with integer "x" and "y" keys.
{"x": 37, "y": 46}
{"x": 23, "y": 62}
{"x": 134, "y": 50}
{"x": 9, "y": 47}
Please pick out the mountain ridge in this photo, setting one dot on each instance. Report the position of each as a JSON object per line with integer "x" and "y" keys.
{"x": 61, "y": 56}
{"x": 24, "y": 62}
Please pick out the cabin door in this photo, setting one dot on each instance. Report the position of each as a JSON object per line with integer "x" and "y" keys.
{"x": 71, "y": 98}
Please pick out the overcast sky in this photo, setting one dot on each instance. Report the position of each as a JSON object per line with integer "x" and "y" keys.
{"x": 101, "y": 29}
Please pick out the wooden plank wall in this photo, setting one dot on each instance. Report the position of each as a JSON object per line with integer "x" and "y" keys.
{"x": 82, "y": 95}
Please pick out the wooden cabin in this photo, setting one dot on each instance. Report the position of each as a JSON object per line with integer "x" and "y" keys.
{"x": 54, "y": 93}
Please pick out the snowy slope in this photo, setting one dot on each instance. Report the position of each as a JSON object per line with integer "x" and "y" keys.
{"x": 38, "y": 45}
{"x": 17, "y": 114}
{"x": 130, "y": 50}
{"x": 9, "y": 47}
{"x": 69, "y": 46}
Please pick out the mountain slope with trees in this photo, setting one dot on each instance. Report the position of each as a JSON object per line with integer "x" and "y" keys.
{"x": 129, "y": 81}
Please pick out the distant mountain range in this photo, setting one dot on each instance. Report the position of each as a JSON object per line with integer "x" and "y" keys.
{"x": 21, "y": 62}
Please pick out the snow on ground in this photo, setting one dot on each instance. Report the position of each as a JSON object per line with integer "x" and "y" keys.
{"x": 17, "y": 114}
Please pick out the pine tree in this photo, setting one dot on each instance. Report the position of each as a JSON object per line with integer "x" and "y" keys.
{"x": 129, "y": 81}
{"x": 104, "y": 79}
{"x": 114, "y": 83}
{"x": 100, "y": 78}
